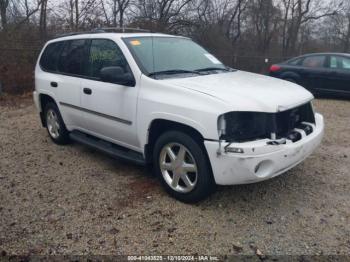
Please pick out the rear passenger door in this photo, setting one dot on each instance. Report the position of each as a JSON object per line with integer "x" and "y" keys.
{"x": 109, "y": 109}
{"x": 71, "y": 68}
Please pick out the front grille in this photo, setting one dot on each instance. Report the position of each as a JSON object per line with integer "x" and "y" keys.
{"x": 249, "y": 126}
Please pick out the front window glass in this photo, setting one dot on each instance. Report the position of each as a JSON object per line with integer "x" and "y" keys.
{"x": 105, "y": 53}
{"x": 172, "y": 54}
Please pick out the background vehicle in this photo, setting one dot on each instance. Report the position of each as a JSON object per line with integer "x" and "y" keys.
{"x": 323, "y": 73}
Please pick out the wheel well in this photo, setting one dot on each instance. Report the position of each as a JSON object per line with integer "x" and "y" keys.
{"x": 160, "y": 126}
{"x": 44, "y": 100}
{"x": 291, "y": 75}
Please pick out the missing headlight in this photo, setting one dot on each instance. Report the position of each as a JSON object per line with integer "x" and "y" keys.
{"x": 250, "y": 126}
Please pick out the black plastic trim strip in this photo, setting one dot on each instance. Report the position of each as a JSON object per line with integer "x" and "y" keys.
{"x": 127, "y": 122}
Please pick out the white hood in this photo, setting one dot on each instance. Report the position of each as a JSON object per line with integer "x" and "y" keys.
{"x": 247, "y": 91}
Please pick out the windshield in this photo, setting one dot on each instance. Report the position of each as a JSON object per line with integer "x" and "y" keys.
{"x": 172, "y": 56}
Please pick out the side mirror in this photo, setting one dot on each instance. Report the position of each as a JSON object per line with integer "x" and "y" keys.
{"x": 116, "y": 75}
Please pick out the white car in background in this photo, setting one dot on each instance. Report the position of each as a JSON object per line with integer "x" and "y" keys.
{"x": 164, "y": 100}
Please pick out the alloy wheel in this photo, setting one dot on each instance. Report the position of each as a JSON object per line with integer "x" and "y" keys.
{"x": 52, "y": 123}
{"x": 178, "y": 167}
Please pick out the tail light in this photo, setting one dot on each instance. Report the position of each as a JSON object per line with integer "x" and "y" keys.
{"x": 275, "y": 68}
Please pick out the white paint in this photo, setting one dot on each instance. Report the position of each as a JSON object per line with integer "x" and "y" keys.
{"x": 194, "y": 101}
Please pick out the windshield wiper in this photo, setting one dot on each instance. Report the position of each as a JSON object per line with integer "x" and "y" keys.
{"x": 174, "y": 72}
{"x": 213, "y": 69}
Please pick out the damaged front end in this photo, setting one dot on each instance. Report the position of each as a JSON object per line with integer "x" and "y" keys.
{"x": 278, "y": 128}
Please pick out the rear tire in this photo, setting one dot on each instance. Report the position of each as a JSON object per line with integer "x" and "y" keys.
{"x": 55, "y": 125}
{"x": 183, "y": 167}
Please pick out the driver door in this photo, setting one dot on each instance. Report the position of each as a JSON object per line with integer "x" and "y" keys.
{"x": 109, "y": 109}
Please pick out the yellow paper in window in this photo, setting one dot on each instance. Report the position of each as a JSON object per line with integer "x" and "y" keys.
{"x": 135, "y": 42}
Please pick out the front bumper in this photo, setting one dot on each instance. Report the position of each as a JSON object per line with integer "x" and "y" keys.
{"x": 36, "y": 100}
{"x": 261, "y": 161}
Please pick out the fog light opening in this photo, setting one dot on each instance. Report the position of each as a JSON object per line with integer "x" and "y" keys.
{"x": 263, "y": 169}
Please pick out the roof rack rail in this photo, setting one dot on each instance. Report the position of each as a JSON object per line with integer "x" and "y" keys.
{"x": 74, "y": 33}
{"x": 106, "y": 30}
{"x": 121, "y": 30}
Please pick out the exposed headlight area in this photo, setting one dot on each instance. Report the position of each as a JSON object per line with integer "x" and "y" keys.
{"x": 292, "y": 124}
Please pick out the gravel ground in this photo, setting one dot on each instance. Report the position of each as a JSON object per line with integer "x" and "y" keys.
{"x": 74, "y": 200}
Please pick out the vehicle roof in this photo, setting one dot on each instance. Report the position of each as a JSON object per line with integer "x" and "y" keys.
{"x": 110, "y": 35}
{"x": 325, "y": 53}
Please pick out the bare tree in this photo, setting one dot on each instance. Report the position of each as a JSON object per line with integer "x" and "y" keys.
{"x": 347, "y": 36}
{"x": 119, "y": 9}
{"x": 161, "y": 14}
{"x": 79, "y": 12}
{"x": 265, "y": 17}
{"x": 296, "y": 14}
{"x": 225, "y": 15}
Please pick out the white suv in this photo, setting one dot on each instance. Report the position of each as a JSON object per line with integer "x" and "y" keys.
{"x": 164, "y": 100}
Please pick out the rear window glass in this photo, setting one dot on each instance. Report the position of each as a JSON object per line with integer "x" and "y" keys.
{"x": 314, "y": 61}
{"x": 73, "y": 57}
{"x": 49, "y": 58}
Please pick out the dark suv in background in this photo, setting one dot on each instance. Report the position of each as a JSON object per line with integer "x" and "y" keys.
{"x": 324, "y": 73}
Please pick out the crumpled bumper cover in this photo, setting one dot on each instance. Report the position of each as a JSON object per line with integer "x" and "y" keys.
{"x": 261, "y": 161}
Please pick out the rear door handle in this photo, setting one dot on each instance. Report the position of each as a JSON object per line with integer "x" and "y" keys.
{"x": 54, "y": 84}
{"x": 87, "y": 91}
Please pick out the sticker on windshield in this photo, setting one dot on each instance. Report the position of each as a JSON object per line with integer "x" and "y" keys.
{"x": 135, "y": 42}
{"x": 213, "y": 59}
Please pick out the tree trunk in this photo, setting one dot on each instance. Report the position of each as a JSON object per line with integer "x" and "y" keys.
{"x": 3, "y": 13}
{"x": 115, "y": 13}
{"x": 121, "y": 19}
{"x": 71, "y": 14}
{"x": 43, "y": 20}
{"x": 347, "y": 40}
{"x": 76, "y": 5}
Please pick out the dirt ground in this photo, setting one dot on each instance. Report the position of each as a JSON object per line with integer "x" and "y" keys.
{"x": 74, "y": 200}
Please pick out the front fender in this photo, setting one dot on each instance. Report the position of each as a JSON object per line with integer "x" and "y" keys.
{"x": 205, "y": 131}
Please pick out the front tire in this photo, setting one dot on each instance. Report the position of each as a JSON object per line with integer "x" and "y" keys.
{"x": 55, "y": 125}
{"x": 183, "y": 167}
